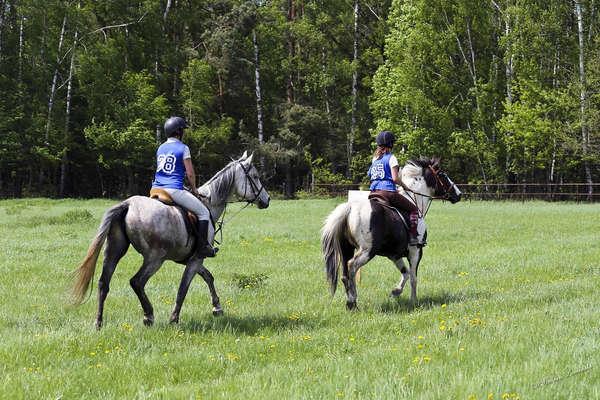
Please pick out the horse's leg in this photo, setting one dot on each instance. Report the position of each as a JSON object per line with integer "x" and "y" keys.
{"x": 209, "y": 279}
{"x": 414, "y": 257}
{"x": 360, "y": 258}
{"x": 397, "y": 291}
{"x": 116, "y": 247}
{"x": 189, "y": 272}
{"x": 347, "y": 253}
{"x": 138, "y": 282}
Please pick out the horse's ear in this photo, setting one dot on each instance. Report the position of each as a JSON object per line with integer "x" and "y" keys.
{"x": 435, "y": 163}
{"x": 244, "y": 156}
{"x": 249, "y": 159}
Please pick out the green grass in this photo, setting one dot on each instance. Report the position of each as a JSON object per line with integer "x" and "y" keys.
{"x": 508, "y": 309}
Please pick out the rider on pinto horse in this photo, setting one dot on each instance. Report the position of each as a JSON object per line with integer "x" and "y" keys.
{"x": 384, "y": 175}
{"x": 174, "y": 164}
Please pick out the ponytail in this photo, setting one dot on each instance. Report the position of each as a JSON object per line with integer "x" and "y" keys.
{"x": 380, "y": 151}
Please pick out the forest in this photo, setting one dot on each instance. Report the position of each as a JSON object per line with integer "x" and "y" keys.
{"x": 504, "y": 91}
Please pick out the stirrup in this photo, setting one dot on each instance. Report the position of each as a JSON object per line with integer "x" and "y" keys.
{"x": 207, "y": 251}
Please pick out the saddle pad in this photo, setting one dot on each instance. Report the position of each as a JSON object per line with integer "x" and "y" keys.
{"x": 402, "y": 215}
{"x": 161, "y": 195}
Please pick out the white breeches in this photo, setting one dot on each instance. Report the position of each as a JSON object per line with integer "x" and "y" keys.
{"x": 189, "y": 201}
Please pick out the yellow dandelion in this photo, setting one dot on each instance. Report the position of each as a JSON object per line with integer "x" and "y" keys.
{"x": 444, "y": 305}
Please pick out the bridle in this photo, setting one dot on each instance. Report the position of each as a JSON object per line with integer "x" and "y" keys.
{"x": 256, "y": 192}
{"x": 439, "y": 183}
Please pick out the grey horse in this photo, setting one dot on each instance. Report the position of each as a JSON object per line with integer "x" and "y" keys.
{"x": 158, "y": 232}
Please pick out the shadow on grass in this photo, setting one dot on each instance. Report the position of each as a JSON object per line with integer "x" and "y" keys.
{"x": 402, "y": 304}
{"x": 250, "y": 325}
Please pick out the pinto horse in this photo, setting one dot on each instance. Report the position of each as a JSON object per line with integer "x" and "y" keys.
{"x": 158, "y": 232}
{"x": 357, "y": 231}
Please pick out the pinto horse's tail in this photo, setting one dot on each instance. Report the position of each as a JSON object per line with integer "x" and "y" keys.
{"x": 332, "y": 237}
{"x": 84, "y": 273}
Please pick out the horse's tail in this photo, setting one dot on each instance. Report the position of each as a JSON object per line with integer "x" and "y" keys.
{"x": 84, "y": 273}
{"x": 331, "y": 242}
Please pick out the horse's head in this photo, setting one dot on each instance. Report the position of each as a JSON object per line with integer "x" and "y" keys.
{"x": 424, "y": 176}
{"x": 247, "y": 182}
{"x": 443, "y": 186}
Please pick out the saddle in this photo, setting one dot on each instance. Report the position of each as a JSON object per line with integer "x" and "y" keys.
{"x": 397, "y": 213}
{"x": 190, "y": 218}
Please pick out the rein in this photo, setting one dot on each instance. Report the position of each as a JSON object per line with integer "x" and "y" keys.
{"x": 255, "y": 192}
{"x": 415, "y": 194}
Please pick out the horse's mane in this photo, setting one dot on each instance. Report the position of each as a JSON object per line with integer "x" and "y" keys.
{"x": 420, "y": 167}
{"x": 222, "y": 190}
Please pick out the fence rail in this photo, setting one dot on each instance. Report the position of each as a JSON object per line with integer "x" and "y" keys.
{"x": 498, "y": 191}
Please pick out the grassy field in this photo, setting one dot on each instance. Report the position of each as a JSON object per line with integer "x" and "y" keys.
{"x": 508, "y": 309}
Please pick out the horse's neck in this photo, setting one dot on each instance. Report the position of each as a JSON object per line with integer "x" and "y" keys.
{"x": 217, "y": 191}
{"x": 422, "y": 202}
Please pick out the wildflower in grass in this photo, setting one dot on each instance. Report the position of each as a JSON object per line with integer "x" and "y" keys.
{"x": 444, "y": 305}
{"x": 268, "y": 239}
{"x": 420, "y": 337}
{"x": 462, "y": 274}
{"x": 306, "y": 338}
{"x": 476, "y": 321}
{"x": 351, "y": 338}
{"x": 472, "y": 397}
{"x": 426, "y": 359}
{"x": 232, "y": 357}
{"x": 490, "y": 396}
{"x": 340, "y": 393}
{"x": 127, "y": 327}
{"x": 510, "y": 396}
{"x": 92, "y": 353}
{"x": 294, "y": 316}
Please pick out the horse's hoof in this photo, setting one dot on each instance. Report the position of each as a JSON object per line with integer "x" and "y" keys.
{"x": 149, "y": 320}
{"x": 396, "y": 292}
{"x": 174, "y": 320}
{"x": 217, "y": 312}
{"x": 351, "y": 306}
{"x": 98, "y": 325}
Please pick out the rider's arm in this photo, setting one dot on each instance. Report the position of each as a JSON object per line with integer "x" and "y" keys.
{"x": 395, "y": 175}
{"x": 190, "y": 175}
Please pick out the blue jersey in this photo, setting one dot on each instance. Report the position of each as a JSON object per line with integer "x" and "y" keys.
{"x": 170, "y": 171}
{"x": 380, "y": 173}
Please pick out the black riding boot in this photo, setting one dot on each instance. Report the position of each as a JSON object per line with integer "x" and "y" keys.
{"x": 203, "y": 248}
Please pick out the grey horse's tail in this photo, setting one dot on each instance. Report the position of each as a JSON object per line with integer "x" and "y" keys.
{"x": 83, "y": 275}
{"x": 332, "y": 235}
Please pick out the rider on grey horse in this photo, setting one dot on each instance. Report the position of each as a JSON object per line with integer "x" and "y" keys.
{"x": 384, "y": 176}
{"x": 173, "y": 165}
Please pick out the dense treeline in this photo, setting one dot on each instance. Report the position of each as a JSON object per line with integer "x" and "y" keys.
{"x": 504, "y": 91}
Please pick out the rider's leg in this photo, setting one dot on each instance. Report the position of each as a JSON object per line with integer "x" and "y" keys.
{"x": 417, "y": 228}
{"x": 189, "y": 201}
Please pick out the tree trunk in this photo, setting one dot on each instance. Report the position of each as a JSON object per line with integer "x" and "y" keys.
{"x": 54, "y": 81}
{"x": 325, "y": 91}
{"x": 583, "y": 100}
{"x": 353, "y": 128}
{"x": 2, "y": 19}
{"x": 65, "y": 155}
{"x": 291, "y": 16}
{"x": 259, "y": 115}
{"x": 166, "y": 13}
{"x": 20, "y": 70}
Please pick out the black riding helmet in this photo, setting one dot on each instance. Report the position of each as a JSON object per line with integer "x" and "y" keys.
{"x": 174, "y": 126}
{"x": 385, "y": 139}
